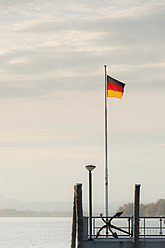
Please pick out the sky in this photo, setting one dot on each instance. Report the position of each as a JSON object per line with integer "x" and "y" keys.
{"x": 52, "y": 57}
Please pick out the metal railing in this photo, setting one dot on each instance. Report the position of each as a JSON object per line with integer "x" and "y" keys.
{"x": 122, "y": 227}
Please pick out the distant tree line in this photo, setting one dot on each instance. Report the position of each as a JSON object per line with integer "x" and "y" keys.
{"x": 30, "y": 213}
{"x": 151, "y": 209}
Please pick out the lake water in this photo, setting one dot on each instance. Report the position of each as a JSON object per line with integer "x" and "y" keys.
{"x": 35, "y": 232}
{"x": 53, "y": 232}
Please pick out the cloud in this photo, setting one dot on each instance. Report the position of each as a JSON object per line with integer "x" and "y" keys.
{"x": 52, "y": 58}
{"x": 54, "y": 51}
{"x": 28, "y": 73}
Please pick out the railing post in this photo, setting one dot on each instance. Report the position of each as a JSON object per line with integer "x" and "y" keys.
{"x": 144, "y": 227}
{"x": 160, "y": 226}
{"x": 129, "y": 225}
{"x": 136, "y": 216}
{"x": 94, "y": 227}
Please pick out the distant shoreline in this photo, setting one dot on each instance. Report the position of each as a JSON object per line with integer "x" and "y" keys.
{"x": 152, "y": 209}
{"x": 31, "y": 213}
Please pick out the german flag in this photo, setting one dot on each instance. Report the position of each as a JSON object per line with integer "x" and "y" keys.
{"x": 115, "y": 88}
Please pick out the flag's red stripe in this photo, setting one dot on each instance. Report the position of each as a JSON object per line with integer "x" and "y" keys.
{"x": 115, "y": 87}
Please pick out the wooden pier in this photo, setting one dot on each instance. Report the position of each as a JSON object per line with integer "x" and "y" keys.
{"x": 132, "y": 236}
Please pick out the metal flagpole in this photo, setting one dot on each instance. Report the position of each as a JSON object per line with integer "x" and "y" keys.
{"x": 106, "y": 157}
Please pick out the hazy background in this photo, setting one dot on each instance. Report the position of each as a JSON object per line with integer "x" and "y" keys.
{"x": 52, "y": 56}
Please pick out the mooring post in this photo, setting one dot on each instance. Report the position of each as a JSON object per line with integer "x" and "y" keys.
{"x": 136, "y": 215}
{"x": 79, "y": 217}
{"x": 73, "y": 234}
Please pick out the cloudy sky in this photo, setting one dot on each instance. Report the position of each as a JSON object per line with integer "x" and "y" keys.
{"x": 52, "y": 56}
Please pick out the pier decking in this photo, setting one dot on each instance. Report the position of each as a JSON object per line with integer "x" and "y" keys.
{"x": 122, "y": 243}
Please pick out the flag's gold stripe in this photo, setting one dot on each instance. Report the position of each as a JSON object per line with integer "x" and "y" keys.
{"x": 112, "y": 93}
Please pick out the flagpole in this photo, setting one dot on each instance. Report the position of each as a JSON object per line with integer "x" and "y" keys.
{"x": 106, "y": 156}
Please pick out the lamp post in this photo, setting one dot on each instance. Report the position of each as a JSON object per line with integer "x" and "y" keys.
{"x": 90, "y": 168}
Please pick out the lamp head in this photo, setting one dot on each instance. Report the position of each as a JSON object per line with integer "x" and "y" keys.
{"x": 90, "y": 167}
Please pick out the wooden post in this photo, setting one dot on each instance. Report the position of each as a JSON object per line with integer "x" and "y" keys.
{"x": 77, "y": 218}
{"x": 73, "y": 234}
{"x": 136, "y": 216}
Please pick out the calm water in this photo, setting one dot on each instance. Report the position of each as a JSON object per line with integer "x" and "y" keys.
{"x": 35, "y": 232}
